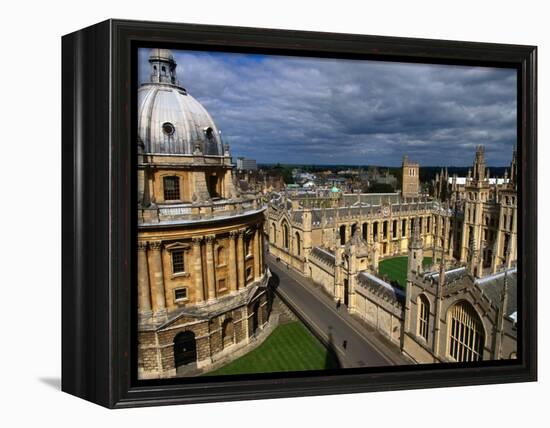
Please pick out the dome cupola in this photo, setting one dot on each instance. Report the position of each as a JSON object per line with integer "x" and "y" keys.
{"x": 170, "y": 121}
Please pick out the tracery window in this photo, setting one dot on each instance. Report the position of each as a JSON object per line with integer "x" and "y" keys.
{"x": 423, "y": 317}
{"x": 466, "y": 337}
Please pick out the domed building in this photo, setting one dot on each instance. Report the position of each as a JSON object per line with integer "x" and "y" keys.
{"x": 202, "y": 281}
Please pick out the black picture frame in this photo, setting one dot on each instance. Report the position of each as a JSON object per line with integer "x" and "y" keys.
{"x": 98, "y": 334}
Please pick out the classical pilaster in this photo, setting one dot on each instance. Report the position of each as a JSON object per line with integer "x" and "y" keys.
{"x": 157, "y": 279}
{"x": 257, "y": 253}
{"x": 210, "y": 269}
{"x": 197, "y": 258}
{"x": 240, "y": 260}
{"x": 262, "y": 253}
{"x": 232, "y": 262}
{"x": 144, "y": 292}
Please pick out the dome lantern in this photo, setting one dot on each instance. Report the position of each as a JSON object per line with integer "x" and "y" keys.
{"x": 170, "y": 120}
{"x": 163, "y": 66}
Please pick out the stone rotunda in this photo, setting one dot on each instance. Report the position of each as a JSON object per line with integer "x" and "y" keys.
{"x": 202, "y": 280}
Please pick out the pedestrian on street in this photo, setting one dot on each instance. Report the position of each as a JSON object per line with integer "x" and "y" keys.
{"x": 345, "y": 344}
{"x": 338, "y": 303}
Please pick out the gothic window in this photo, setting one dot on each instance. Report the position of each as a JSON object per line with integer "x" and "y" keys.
{"x": 404, "y": 228}
{"x": 428, "y": 224}
{"x": 420, "y": 225}
{"x": 504, "y": 222}
{"x": 285, "y": 236}
{"x": 171, "y": 188}
{"x": 298, "y": 244}
{"x": 385, "y": 229}
{"x": 394, "y": 230}
{"x": 423, "y": 316}
{"x": 466, "y": 338}
{"x": 273, "y": 233}
{"x": 375, "y": 230}
{"x": 178, "y": 265}
{"x": 342, "y": 235}
{"x": 365, "y": 231}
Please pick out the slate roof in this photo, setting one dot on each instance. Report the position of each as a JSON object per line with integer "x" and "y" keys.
{"x": 367, "y": 280}
{"x": 492, "y": 286}
{"x": 323, "y": 255}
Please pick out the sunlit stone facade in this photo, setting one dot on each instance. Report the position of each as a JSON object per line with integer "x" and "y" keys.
{"x": 461, "y": 308}
{"x": 202, "y": 280}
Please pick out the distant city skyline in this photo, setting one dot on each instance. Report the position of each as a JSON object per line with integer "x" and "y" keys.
{"x": 296, "y": 110}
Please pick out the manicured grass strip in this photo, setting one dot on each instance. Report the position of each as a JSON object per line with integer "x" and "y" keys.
{"x": 291, "y": 347}
{"x": 395, "y": 269}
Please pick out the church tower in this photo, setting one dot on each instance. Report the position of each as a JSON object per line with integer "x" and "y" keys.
{"x": 477, "y": 191}
{"x": 416, "y": 253}
{"x": 411, "y": 179}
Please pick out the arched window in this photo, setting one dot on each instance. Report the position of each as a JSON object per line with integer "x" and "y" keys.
{"x": 273, "y": 233}
{"x": 298, "y": 244}
{"x": 171, "y": 188}
{"x": 423, "y": 317}
{"x": 228, "y": 333}
{"x": 221, "y": 256}
{"x": 342, "y": 235}
{"x": 466, "y": 337}
{"x": 285, "y": 235}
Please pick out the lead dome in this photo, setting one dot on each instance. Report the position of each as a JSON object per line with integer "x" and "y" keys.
{"x": 170, "y": 120}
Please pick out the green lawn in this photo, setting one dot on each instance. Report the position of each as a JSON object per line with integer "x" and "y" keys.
{"x": 291, "y": 347}
{"x": 396, "y": 269}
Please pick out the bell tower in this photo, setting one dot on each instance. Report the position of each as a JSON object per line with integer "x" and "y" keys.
{"x": 411, "y": 179}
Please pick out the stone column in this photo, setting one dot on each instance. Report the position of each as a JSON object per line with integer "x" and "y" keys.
{"x": 240, "y": 260}
{"x": 197, "y": 257}
{"x": 144, "y": 292}
{"x": 369, "y": 237}
{"x": 261, "y": 242}
{"x": 257, "y": 253}
{"x": 210, "y": 268}
{"x": 233, "y": 280}
{"x": 157, "y": 279}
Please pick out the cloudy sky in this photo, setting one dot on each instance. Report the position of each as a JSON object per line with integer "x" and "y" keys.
{"x": 332, "y": 111}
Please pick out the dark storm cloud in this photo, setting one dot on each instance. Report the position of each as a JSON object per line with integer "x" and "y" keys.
{"x": 302, "y": 110}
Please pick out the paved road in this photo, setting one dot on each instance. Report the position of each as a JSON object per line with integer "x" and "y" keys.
{"x": 319, "y": 311}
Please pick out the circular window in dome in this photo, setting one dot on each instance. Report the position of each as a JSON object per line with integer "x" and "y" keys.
{"x": 168, "y": 128}
{"x": 209, "y": 132}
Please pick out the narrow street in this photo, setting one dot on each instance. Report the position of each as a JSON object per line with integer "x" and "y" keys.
{"x": 363, "y": 348}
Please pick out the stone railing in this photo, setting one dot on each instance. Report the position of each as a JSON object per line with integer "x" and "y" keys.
{"x": 195, "y": 212}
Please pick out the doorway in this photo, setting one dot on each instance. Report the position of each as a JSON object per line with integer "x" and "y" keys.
{"x": 185, "y": 348}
